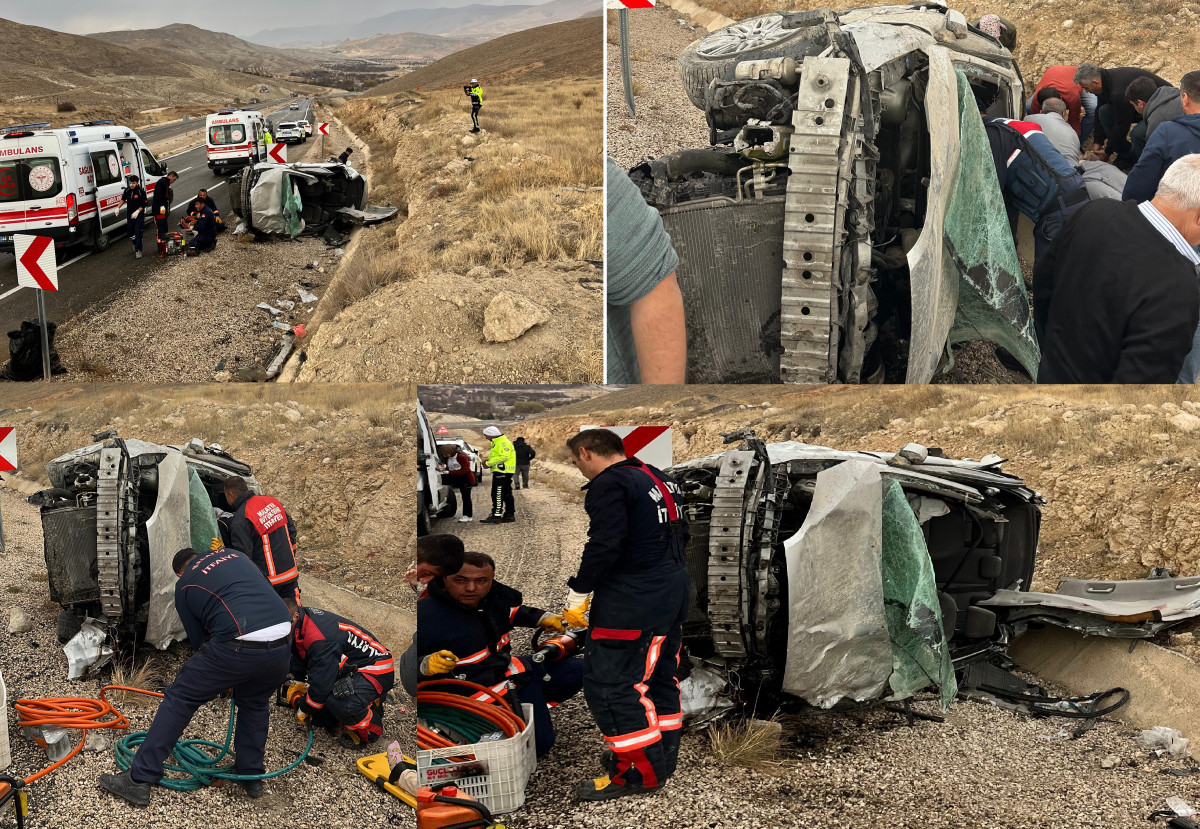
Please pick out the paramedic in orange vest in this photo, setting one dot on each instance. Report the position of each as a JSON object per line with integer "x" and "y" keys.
{"x": 261, "y": 529}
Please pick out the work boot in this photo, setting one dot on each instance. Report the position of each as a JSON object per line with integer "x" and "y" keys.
{"x": 137, "y": 254}
{"x": 254, "y": 788}
{"x": 670, "y": 742}
{"x": 508, "y": 519}
{"x": 124, "y": 786}
{"x": 492, "y": 519}
{"x": 603, "y": 788}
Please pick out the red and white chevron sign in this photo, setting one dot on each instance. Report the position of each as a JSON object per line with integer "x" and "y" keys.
{"x": 277, "y": 152}
{"x": 649, "y": 444}
{"x": 632, "y": 4}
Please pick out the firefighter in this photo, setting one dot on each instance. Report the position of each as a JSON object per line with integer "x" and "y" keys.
{"x": 205, "y": 225}
{"x": 633, "y": 581}
{"x": 347, "y": 672}
{"x": 221, "y": 595}
{"x": 502, "y": 460}
{"x": 134, "y": 199}
{"x": 475, "y": 92}
{"x": 160, "y": 205}
{"x": 466, "y": 626}
{"x": 262, "y": 529}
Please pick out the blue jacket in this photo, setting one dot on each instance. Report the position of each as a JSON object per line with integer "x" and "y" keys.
{"x": 1170, "y": 142}
{"x": 480, "y": 637}
{"x": 223, "y": 595}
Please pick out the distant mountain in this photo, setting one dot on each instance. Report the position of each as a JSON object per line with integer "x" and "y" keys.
{"x": 408, "y": 45}
{"x": 204, "y": 46}
{"x": 477, "y": 19}
{"x": 572, "y": 49}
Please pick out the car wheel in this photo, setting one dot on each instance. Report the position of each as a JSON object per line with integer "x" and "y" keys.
{"x": 714, "y": 56}
{"x": 100, "y": 241}
{"x": 247, "y": 186}
{"x": 422, "y": 517}
{"x": 69, "y": 624}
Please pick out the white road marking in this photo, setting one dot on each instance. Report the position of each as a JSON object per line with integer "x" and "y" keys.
{"x": 185, "y": 169}
{"x": 185, "y": 204}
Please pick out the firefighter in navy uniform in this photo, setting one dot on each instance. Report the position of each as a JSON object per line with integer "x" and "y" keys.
{"x": 262, "y": 529}
{"x": 466, "y": 625}
{"x": 347, "y": 673}
{"x": 633, "y": 581}
{"x": 222, "y": 596}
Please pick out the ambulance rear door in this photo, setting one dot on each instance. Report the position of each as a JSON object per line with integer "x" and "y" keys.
{"x": 108, "y": 171}
{"x": 33, "y": 193}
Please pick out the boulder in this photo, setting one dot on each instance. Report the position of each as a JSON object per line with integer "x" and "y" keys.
{"x": 508, "y": 316}
{"x": 19, "y": 621}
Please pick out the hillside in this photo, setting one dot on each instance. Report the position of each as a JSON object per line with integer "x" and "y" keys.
{"x": 406, "y": 45}
{"x": 475, "y": 20}
{"x": 203, "y": 46}
{"x": 573, "y": 49}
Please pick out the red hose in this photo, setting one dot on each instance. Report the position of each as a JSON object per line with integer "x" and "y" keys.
{"x": 496, "y": 711}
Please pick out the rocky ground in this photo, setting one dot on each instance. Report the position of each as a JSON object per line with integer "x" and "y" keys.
{"x": 34, "y": 666}
{"x": 1119, "y": 468}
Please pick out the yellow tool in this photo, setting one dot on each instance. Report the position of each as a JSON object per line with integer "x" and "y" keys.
{"x": 379, "y": 770}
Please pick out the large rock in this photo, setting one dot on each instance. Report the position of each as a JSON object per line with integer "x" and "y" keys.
{"x": 1185, "y": 422}
{"x": 19, "y": 621}
{"x": 508, "y": 316}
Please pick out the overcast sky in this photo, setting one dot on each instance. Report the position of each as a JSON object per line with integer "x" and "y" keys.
{"x": 237, "y": 17}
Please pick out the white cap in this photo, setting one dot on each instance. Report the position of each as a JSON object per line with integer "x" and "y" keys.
{"x": 491, "y": 432}
{"x": 474, "y": 80}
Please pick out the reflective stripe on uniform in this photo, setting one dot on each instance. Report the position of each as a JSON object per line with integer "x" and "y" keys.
{"x": 635, "y": 739}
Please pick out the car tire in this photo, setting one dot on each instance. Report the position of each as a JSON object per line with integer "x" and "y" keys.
{"x": 422, "y": 516}
{"x": 247, "y": 185}
{"x": 101, "y": 240}
{"x": 755, "y": 38}
{"x": 69, "y": 624}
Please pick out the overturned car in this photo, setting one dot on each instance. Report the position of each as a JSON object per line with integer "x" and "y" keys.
{"x": 845, "y": 225}
{"x": 832, "y": 576}
{"x": 114, "y": 517}
{"x": 301, "y": 198}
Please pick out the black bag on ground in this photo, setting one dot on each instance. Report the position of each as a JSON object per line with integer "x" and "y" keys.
{"x": 25, "y": 352}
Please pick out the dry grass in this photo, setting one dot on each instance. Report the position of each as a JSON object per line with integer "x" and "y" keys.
{"x": 148, "y": 677}
{"x": 751, "y": 744}
{"x": 374, "y": 267}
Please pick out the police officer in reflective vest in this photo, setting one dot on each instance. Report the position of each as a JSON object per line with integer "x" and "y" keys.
{"x": 502, "y": 460}
{"x": 348, "y": 673}
{"x": 263, "y": 530}
{"x": 633, "y": 581}
{"x": 475, "y": 92}
{"x": 240, "y": 630}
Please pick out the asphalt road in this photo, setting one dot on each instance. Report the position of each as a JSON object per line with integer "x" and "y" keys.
{"x": 152, "y": 134}
{"x": 86, "y": 278}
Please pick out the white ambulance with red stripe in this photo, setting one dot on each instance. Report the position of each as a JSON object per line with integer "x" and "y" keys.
{"x": 235, "y": 139}
{"x": 66, "y": 183}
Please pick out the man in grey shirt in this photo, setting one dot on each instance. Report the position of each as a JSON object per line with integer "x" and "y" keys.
{"x": 1053, "y": 121}
{"x": 647, "y": 340}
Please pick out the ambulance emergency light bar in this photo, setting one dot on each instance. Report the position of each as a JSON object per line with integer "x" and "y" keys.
{"x": 8, "y": 131}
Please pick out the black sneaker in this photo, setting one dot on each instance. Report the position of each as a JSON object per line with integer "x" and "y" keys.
{"x": 492, "y": 519}
{"x": 508, "y": 519}
{"x": 124, "y": 786}
{"x": 254, "y": 788}
{"x": 602, "y": 788}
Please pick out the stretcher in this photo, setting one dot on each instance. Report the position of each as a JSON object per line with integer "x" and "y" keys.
{"x": 379, "y": 771}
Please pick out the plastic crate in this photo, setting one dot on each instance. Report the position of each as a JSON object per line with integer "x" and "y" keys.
{"x": 510, "y": 764}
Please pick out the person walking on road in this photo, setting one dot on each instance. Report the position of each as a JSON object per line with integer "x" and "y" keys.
{"x": 525, "y": 455}
{"x": 475, "y": 92}
{"x": 240, "y": 631}
{"x": 502, "y": 460}
{"x": 633, "y": 581}
{"x": 134, "y": 199}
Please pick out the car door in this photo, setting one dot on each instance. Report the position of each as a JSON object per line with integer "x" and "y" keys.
{"x": 109, "y": 182}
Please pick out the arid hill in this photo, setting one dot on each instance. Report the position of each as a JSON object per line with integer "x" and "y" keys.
{"x": 407, "y": 45}
{"x": 196, "y": 45}
{"x": 573, "y": 49}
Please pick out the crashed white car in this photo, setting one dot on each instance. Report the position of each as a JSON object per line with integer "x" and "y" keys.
{"x": 828, "y": 576}
{"x": 306, "y": 197}
{"x": 116, "y": 515}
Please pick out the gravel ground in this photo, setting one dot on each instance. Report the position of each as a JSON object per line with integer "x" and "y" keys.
{"x": 666, "y": 119}
{"x": 982, "y": 767}
{"x": 209, "y": 303}
{"x": 34, "y": 666}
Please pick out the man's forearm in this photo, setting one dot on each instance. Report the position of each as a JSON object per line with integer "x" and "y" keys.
{"x": 660, "y": 334}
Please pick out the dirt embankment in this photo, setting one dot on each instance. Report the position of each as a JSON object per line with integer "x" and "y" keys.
{"x": 330, "y": 454}
{"x": 511, "y": 216}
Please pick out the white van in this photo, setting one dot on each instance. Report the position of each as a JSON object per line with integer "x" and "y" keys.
{"x": 66, "y": 183}
{"x": 234, "y": 139}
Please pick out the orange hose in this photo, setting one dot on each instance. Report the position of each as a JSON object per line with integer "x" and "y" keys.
{"x": 83, "y": 713}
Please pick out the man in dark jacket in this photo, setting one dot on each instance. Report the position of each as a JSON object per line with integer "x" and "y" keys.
{"x": 525, "y": 456}
{"x": 205, "y": 227}
{"x": 239, "y": 630}
{"x": 134, "y": 199}
{"x": 262, "y": 529}
{"x": 1116, "y": 114}
{"x": 1035, "y": 178}
{"x": 1173, "y": 140}
{"x": 1115, "y": 298}
{"x": 633, "y": 581}
{"x": 465, "y": 626}
{"x": 160, "y": 203}
{"x": 348, "y": 674}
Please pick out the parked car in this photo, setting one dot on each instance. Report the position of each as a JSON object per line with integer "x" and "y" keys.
{"x": 435, "y": 498}
{"x": 116, "y": 514}
{"x": 839, "y": 227}
{"x": 306, "y": 126}
{"x": 318, "y": 196}
{"x": 289, "y": 132}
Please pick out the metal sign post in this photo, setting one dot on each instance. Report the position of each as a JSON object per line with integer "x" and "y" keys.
{"x": 323, "y": 128}
{"x": 626, "y": 71}
{"x": 37, "y": 269}
{"x": 8, "y": 462}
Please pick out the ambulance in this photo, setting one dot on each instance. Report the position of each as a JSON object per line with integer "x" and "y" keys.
{"x": 235, "y": 139}
{"x": 66, "y": 183}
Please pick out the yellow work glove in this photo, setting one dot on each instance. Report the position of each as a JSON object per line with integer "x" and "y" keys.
{"x": 216, "y": 544}
{"x": 552, "y": 621}
{"x": 575, "y": 612}
{"x": 295, "y": 692}
{"x": 441, "y": 662}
